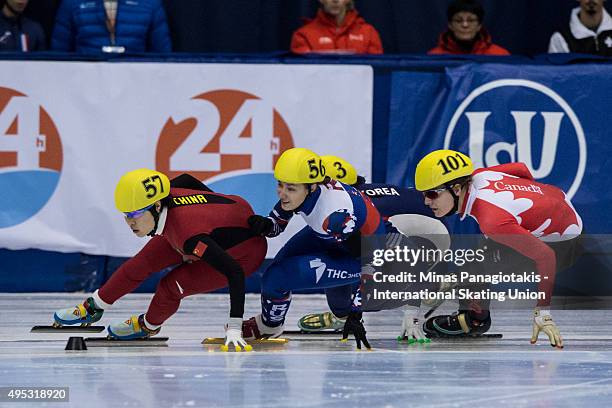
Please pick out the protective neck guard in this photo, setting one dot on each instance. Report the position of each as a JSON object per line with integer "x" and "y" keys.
{"x": 160, "y": 220}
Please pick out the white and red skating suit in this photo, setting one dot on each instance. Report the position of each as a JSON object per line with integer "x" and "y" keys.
{"x": 515, "y": 210}
{"x": 206, "y": 236}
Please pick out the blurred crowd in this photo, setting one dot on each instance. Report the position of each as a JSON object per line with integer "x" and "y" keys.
{"x": 137, "y": 26}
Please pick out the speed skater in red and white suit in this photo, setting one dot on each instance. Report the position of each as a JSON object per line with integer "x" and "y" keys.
{"x": 203, "y": 234}
{"x": 534, "y": 219}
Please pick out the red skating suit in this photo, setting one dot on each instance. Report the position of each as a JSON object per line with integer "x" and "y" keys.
{"x": 515, "y": 210}
{"x": 193, "y": 218}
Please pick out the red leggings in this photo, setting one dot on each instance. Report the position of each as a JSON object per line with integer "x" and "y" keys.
{"x": 184, "y": 280}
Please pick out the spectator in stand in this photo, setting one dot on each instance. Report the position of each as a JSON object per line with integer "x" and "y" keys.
{"x": 19, "y": 33}
{"x": 337, "y": 28}
{"x": 466, "y": 34}
{"x": 92, "y": 26}
{"x": 589, "y": 31}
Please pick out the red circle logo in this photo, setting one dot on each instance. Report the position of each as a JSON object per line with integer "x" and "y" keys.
{"x": 226, "y": 131}
{"x": 30, "y": 157}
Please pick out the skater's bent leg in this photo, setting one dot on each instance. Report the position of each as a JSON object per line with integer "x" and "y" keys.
{"x": 275, "y": 298}
{"x": 318, "y": 270}
{"x": 199, "y": 277}
{"x": 185, "y": 280}
{"x": 339, "y": 299}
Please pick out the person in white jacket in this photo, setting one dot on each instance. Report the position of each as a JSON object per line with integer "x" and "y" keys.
{"x": 589, "y": 31}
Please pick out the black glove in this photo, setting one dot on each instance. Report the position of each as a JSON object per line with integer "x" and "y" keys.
{"x": 354, "y": 324}
{"x": 260, "y": 225}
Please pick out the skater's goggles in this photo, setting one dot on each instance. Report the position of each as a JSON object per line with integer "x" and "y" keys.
{"x": 138, "y": 213}
{"x": 435, "y": 193}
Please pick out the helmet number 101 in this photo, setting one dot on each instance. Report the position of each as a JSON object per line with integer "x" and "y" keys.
{"x": 450, "y": 163}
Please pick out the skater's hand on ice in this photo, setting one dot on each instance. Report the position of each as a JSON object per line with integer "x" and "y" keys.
{"x": 233, "y": 334}
{"x": 411, "y": 326}
{"x": 354, "y": 324}
{"x": 542, "y": 321}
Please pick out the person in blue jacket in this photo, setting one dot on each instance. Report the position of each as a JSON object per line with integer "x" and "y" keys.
{"x": 94, "y": 26}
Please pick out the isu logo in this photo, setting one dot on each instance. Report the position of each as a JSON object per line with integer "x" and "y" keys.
{"x": 30, "y": 157}
{"x": 518, "y": 120}
{"x": 222, "y": 132}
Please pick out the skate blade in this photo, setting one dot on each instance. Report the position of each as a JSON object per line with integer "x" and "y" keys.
{"x": 71, "y": 329}
{"x": 468, "y": 337}
{"x": 313, "y": 332}
{"x": 110, "y": 342}
{"x": 221, "y": 340}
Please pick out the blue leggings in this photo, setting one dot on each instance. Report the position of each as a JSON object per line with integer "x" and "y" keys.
{"x": 306, "y": 262}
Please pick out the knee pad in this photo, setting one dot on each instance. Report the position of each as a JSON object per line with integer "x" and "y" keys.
{"x": 271, "y": 282}
{"x": 169, "y": 288}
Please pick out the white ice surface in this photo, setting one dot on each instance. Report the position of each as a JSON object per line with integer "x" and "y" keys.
{"x": 502, "y": 372}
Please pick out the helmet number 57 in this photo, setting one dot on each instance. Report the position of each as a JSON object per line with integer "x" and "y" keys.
{"x": 149, "y": 185}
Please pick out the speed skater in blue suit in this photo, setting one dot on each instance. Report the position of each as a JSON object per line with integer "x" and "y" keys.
{"x": 325, "y": 253}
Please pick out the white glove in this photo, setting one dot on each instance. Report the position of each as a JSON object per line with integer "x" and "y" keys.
{"x": 542, "y": 320}
{"x": 411, "y": 326}
{"x": 233, "y": 334}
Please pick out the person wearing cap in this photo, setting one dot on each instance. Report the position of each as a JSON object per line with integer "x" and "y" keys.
{"x": 326, "y": 253}
{"x": 516, "y": 213}
{"x": 205, "y": 234}
{"x": 466, "y": 33}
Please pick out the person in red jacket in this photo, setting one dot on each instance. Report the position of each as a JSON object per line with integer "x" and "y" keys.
{"x": 466, "y": 34}
{"x": 204, "y": 235}
{"x": 337, "y": 28}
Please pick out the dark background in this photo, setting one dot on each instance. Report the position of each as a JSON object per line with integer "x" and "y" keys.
{"x": 406, "y": 26}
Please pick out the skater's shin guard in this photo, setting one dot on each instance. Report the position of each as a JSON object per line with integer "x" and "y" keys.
{"x": 273, "y": 311}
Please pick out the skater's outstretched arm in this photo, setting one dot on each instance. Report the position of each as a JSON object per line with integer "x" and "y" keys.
{"x": 208, "y": 250}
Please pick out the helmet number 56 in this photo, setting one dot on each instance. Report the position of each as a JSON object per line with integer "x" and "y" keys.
{"x": 314, "y": 170}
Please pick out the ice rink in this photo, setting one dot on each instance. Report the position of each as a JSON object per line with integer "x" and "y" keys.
{"x": 305, "y": 373}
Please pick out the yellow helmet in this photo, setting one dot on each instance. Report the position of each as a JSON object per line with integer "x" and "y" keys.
{"x": 339, "y": 169}
{"x": 140, "y": 188}
{"x": 299, "y": 166}
{"x": 440, "y": 167}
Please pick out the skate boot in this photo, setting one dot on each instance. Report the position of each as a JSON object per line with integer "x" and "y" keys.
{"x": 84, "y": 314}
{"x": 254, "y": 329}
{"x": 459, "y": 324}
{"x": 321, "y": 321}
{"x": 131, "y": 329}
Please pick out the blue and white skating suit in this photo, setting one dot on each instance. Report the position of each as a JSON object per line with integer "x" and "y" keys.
{"x": 334, "y": 211}
{"x": 322, "y": 254}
